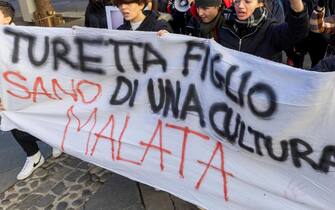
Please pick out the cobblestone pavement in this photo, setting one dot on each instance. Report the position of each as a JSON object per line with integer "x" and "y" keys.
{"x": 70, "y": 183}
{"x": 62, "y": 183}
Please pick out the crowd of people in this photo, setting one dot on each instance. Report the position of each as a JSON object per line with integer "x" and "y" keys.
{"x": 265, "y": 28}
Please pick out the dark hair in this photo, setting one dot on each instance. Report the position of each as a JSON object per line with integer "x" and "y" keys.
{"x": 154, "y": 5}
{"x": 7, "y": 10}
{"x": 208, "y": 3}
{"x": 119, "y": 2}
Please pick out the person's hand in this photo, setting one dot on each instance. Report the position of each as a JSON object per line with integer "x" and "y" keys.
{"x": 162, "y": 32}
{"x": 322, "y": 3}
{"x": 297, "y": 5}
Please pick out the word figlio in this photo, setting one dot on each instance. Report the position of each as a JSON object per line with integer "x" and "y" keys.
{"x": 221, "y": 78}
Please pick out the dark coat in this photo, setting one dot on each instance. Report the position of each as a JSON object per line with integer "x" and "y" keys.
{"x": 95, "y": 14}
{"x": 269, "y": 38}
{"x": 150, "y": 23}
{"x": 276, "y": 10}
{"x": 325, "y": 65}
{"x": 194, "y": 28}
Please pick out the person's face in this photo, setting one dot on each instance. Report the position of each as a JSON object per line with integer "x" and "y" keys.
{"x": 207, "y": 14}
{"x": 245, "y": 8}
{"x": 4, "y": 20}
{"x": 132, "y": 11}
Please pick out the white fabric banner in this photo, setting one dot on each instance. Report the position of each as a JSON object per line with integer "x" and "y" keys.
{"x": 216, "y": 127}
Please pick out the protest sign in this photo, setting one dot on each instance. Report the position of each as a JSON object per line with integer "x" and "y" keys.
{"x": 216, "y": 127}
{"x": 114, "y": 17}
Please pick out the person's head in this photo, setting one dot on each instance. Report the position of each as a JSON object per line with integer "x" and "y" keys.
{"x": 132, "y": 10}
{"x": 6, "y": 13}
{"x": 245, "y": 8}
{"x": 208, "y": 9}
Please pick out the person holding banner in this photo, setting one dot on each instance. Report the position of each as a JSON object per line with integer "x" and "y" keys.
{"x": 27, "y": 142}
{"x": 208, "y": 19}
{"x": 138, "y": 19}
{"x": 248, "y": 28}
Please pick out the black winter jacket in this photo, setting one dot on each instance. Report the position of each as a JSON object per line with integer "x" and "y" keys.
{"x": 325, "y": 65}
{"x": 269, "y": 38}
{"x": 95, "y": 14}
{"x": 150, "y": 23}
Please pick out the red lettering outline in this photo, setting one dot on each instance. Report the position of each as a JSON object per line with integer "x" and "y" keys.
{"x": 159, "y": 148}
{"x": 70, "y": 110}
{"x": 24, "y": 88}
{"x": 110, "y": 138}
{"x": 81, "y": 93}
{"x": 222, "y": 170}
{"x": 118, "y": 157}
{"x": 183, "y": 152}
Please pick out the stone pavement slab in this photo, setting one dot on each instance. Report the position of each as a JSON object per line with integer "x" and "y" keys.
{"x": 154, "y": 199}
{"x": 182, "y": 205}
{"x": 117, "y": 193}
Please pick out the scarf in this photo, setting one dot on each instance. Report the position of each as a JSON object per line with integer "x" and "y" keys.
{"x": 259, "y": 15}
{"x": 209, "y": 30}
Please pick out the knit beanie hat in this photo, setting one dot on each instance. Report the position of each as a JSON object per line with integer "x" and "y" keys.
{"x": 208, "y": 3}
